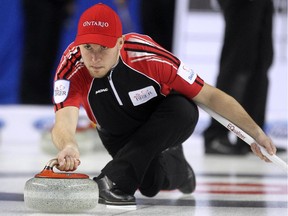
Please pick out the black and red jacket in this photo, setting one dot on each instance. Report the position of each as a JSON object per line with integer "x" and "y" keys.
{"x": 125, "y": 98}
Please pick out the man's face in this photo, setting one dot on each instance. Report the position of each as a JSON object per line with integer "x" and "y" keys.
{"x": 98, "y": 59}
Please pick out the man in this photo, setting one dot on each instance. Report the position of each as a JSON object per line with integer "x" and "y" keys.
{"x": 246, "y": 57}
{"x": 141, "y": 99}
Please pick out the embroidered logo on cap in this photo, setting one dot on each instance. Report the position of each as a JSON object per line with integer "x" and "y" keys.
{"x": 95, "y": 23}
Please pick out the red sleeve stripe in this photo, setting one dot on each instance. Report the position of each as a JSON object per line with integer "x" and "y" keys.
{"x": 70, "y": 58}
{"x": 67, "y": 68}
{"x": 199, "y": 81}
{"x": 156, "y": 53}
{"x": 151, "y": 49}
{"x": 58, "y": 106}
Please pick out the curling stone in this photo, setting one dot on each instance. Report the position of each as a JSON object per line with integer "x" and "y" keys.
{"x": 60, "y": 192}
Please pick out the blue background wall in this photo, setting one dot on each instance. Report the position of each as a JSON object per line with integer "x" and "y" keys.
{"x": 11, "y": 41}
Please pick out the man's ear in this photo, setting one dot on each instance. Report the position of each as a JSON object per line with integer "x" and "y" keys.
{"x": 121, "y": 41}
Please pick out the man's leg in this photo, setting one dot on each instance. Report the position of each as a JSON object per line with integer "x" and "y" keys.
{"x": 170, "y": 125}
{"x": 169, "y": 171}
{"x": 237, "y": 65}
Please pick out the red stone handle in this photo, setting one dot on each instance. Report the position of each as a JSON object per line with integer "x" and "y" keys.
{"x": 48, "y": 172}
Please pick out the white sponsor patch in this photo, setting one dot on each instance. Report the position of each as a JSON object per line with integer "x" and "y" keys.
{"x": 143, "y": 95}
{"x": 61, "y": 89}
{"x": 186, "y": 73}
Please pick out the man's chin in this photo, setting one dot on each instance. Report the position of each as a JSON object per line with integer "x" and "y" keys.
{"x": 98, "y": 74}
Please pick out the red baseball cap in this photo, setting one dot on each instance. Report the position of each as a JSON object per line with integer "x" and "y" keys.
{"x": 99, "y": 24}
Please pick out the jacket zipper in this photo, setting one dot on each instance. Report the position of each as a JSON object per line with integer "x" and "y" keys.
{"x": 114, "y": 89}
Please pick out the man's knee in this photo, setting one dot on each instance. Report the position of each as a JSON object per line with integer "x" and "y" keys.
{"x": 186, "y": 112}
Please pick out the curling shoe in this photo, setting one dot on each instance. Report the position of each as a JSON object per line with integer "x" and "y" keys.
{"x": 110, "y": 195}
{"x": 222, "y": 146}
{"x": 189, "y": 185}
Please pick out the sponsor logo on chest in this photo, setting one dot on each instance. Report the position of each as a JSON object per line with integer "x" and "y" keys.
{"x": 143, "y": 95}
{"x": 101, "y": 91}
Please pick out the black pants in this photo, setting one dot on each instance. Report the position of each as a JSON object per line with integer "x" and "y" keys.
{"x": 141, "y": 162}
{"x": 42, "y": 31}
{"x": 246, "y": 56}
{"x": 157, "y": 20}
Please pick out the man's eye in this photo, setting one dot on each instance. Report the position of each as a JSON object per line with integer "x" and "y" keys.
{"x": 104, "y": 47}
{"x": 87, "y": 46}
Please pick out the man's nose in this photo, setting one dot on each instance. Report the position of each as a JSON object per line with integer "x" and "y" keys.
{"x": 96, "y": 57}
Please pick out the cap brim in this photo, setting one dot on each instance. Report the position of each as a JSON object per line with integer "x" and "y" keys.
{"x": 102, "y": 40}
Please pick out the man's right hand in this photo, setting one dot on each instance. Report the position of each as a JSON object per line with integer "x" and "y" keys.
{"x": 68, "y": 158}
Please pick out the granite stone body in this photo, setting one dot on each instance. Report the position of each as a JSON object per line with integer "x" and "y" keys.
{"x": 61, "y": 195}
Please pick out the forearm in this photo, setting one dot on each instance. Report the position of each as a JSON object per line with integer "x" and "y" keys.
{"x": 62, "y": 138}
{"x": 64, "y": 129}
{"x": 235, "y": 113}
{"x": 68, "y": 155}
{"x": 229, "y": 108}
